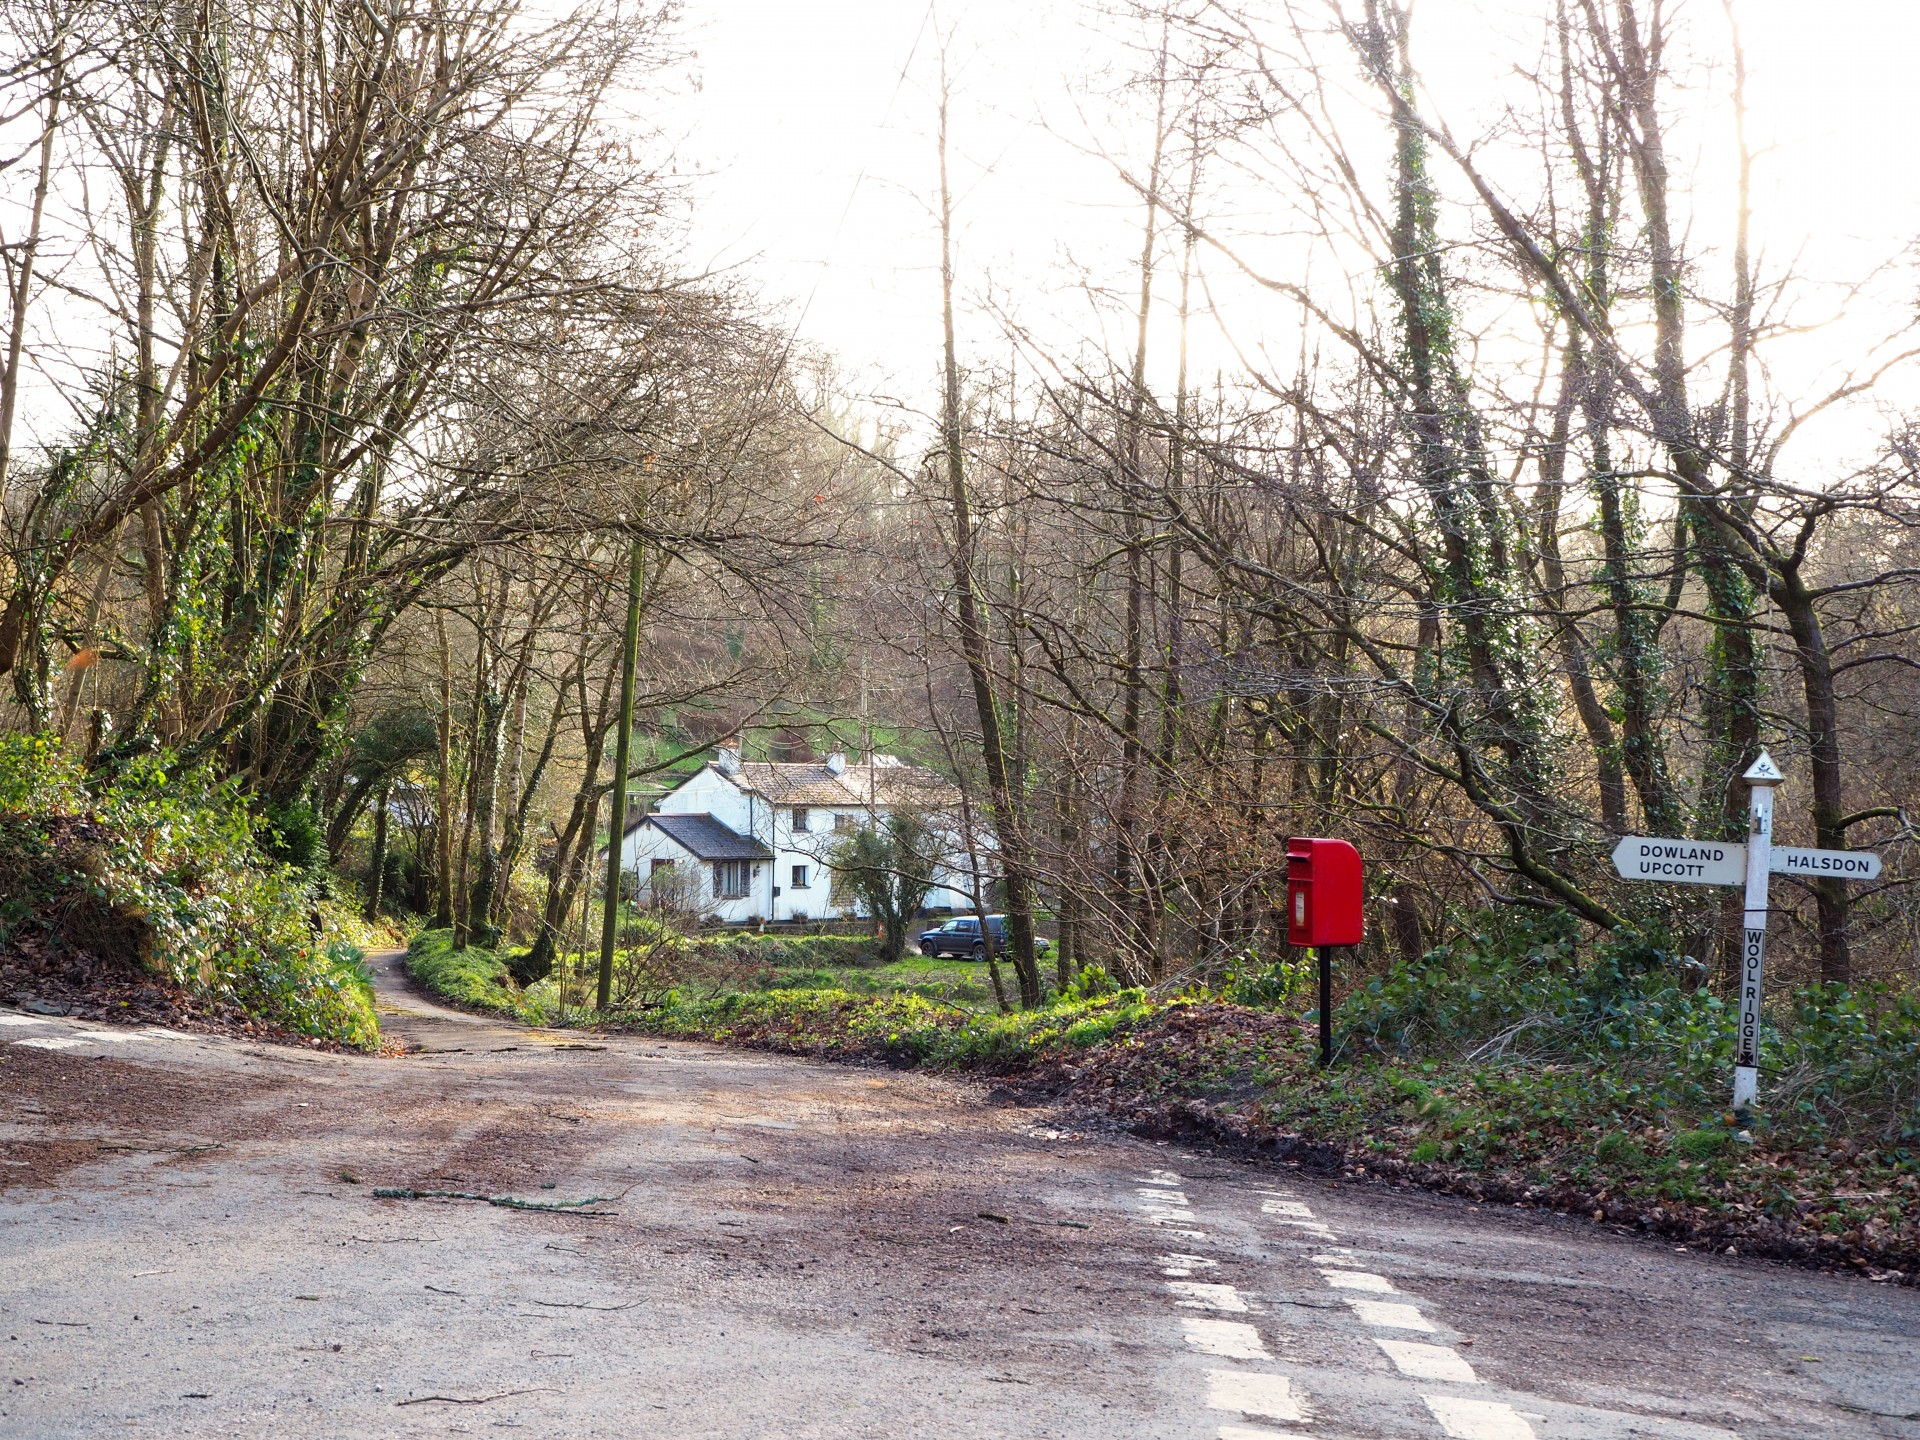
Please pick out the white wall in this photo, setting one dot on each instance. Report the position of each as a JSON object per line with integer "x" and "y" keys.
{"x": 647, "y": 844}
{"x": 711, "y": 793}
{"x": 809, "y": 847}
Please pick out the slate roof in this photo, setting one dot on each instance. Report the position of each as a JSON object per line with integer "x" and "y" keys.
{"x": 706, "y": 837}
{"x": 887, "y": 781}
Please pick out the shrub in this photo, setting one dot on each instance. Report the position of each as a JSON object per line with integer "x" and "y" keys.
{"x": 1091, "y": 983}
{"x": 292, "y": 835}
{"x": 1260, "y": 984}
{"x": 1651, "y": 1043}
{"x": 1618, "y": 1152}
{"x": 475, "y": 977}
{"x": 1516, "y": 986}
{"x": 163, "y": 870}
{"x": 799, "y": 952}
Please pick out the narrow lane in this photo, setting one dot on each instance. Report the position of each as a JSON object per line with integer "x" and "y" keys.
{"x": 192, "y": 1247}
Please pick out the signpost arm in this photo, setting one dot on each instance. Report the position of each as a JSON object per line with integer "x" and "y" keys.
{"x": 1761, "y": 779}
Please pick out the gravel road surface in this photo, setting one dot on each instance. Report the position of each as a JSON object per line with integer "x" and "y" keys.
{"x": 191, "y": 1245}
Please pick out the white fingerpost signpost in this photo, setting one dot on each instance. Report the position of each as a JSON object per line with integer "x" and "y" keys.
{"x": 1761, "y": 777}
{"x": 1713, "y": 862}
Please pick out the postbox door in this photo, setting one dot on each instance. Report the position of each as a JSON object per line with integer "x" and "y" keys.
{"x": 1338, "y": 910}
{"x": 1300, "y": 892}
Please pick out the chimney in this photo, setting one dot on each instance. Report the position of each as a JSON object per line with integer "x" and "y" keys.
{"x": 726, "y": 758}
{"x": 837, "y": 762}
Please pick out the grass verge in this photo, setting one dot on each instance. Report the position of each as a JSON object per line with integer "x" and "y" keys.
{"x": 474, "y": 978}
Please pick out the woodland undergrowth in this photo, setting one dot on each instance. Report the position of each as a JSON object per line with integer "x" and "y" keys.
{"x": 157, "y": 887}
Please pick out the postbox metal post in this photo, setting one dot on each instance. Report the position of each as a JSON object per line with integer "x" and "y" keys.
{"x": 1325, "y": 953}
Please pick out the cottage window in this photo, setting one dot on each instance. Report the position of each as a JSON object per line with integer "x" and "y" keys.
{"x": 799, "y": 877}
{"x": 731, "y": 878}
{"x": 841, "y": 820}
{"x": 800, "y": 819}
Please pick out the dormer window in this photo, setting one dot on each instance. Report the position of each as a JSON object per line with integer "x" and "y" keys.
{"x": 799, "y": 819}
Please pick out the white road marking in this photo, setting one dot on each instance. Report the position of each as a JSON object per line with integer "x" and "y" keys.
{"x": 1256, "y": 1432}
{"x": 1197, "y": 1296}
{"x": 1259, "y": 1397}
{"x": 1178, "y": 1264}
{"x": 1229, "y": 1339}
{"x": 50, "y": 1042}
{"x": 1428, "y": 1362}
{"x": 117, "y": 1037}
{"x": 1285, "y": 1207}
{"x": 1358, "y": 1280}
{"x": 164, "y": 1033}
{"x": 1388, "y": 1315}
{"x": 1160, "y": 1177}
{"x": 1312, "y": 1227}
{"x": 1478, "y": 1419}
{"x": 1164, "y": 1197}
{"x": 1336, "y": 1257}
{"x": 21, "y": 1020}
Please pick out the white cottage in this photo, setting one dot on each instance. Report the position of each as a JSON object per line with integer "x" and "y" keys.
{"x": 747, "y": 840}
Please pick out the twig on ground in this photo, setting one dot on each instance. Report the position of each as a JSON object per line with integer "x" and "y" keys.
{"x": 474, "y": 1399}
{"x": 505, "y": 1202}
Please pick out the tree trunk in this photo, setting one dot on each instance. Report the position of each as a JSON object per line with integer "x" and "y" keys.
{"x": 1823, "y": 756}
{"x": 1007, "y": 817}
{"x": 443, "y": 782}
{"x": 377, "y": 877}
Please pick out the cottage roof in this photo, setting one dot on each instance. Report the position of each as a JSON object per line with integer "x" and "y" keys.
{"x": 886, "y": 781}
{"x": 706, "y": 837}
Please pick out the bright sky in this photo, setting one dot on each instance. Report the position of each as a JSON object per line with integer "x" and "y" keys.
{"x": 815, "y": 123}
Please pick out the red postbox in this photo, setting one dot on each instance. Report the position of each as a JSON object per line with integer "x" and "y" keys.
{"x": 1324, "y": 893}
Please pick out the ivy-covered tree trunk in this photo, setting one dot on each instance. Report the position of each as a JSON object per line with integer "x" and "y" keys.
{"x": 1495, "y": 717}
{"x": 377, "y": 865}
{"x": 487, "y": 747}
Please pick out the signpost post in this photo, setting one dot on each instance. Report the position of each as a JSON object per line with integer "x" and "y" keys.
{"x": 1761, "y": 777}
{"x": 1712, "y": 862}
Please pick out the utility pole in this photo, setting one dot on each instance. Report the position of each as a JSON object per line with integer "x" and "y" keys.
{"x": 622, "y": 757}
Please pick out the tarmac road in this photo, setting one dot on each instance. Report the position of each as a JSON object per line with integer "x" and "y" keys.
{"x": 190, "y": 1245}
